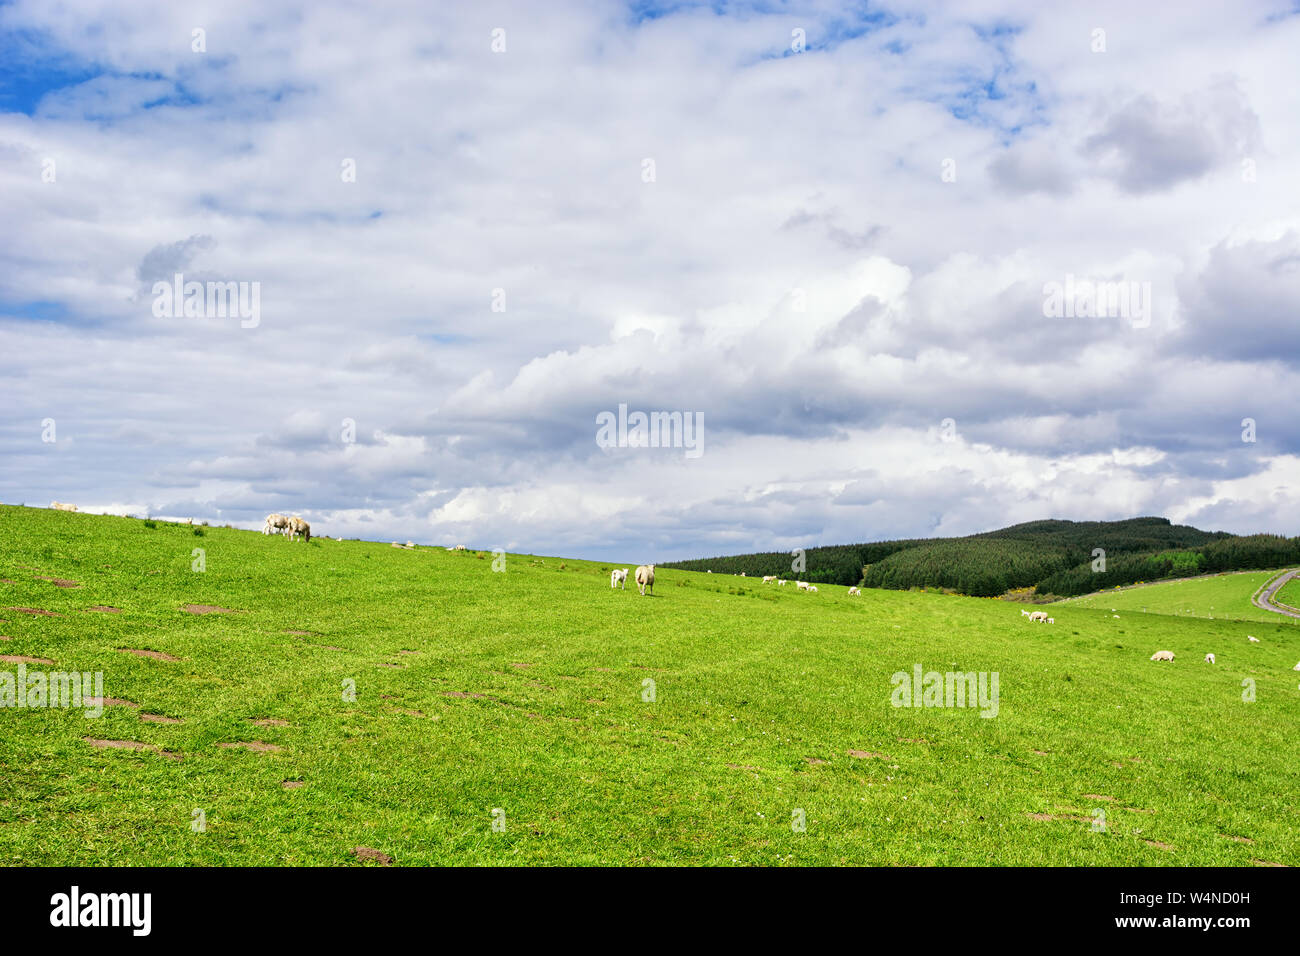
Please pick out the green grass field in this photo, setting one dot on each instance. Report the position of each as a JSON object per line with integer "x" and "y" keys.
{"x": 524, "y": 691}
{"x": 1289, "y": 594}
{"x": 1221, "y": 596}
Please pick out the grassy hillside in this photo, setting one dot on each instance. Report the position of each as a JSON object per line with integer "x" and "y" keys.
{"x": 524, "y": 691}
{"x": 1223, "y": 596}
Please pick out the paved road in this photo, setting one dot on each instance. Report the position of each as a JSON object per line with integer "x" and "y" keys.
{"x": 1264, "y": 600}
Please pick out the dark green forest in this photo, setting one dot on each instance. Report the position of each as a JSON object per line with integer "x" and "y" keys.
{"x": 1061, "y": 558}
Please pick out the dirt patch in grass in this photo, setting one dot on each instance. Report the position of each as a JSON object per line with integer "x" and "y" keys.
{"x": 741, "y": 766}
{"x": 35, "y": 610}
{"x": 522, "y": 665}
{"x": 105, "y": 609}
{"x": 815, "y": 761}
{"x": 271, "y": 722}
{"x": 205, "y": 609}
{"x": 258, "y": 746}
{"x": 1266, "y": 863}
{"x": 59, "y": 582}
{"x": 1157, "y": 844}
{"x": 368, "y": 855}
{"x": 1237, "y": 839}
{"x": 19, "y": 659}
{"x": 912, "y": 740}
{"x": 457, "y": 693}
{"x": 153, "y": 655}
{"x": 867, "y": 754}
{"x": 160, "y": 719}
{"x": 1096, "y": 796}
{"x": 1138, "y": 810}
{"x": 301, "y": 633}
{"x": 130, "y": 745}
{"x": 291, "y": 784}
{"x": 408, "y": 712}
{"x": 1041, "y": 753}
{"x": 391, "y": 664}
{"x": 110, "y": 702}
{"x": 1059, "y": 816}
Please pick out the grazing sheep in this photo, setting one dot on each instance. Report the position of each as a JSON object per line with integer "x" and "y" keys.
{"x": 769, "y": 578}
{"x": 62, "y": 506}
{"x": 275, "y": 522}
{"x": 645, "y": 578}
{"x": 618, "y": 578}
{"x": 1051, "y": 620}
{"x": 1163, "y": 656}
{"x": 854, "y": 591}
{"x": 1252, "y": 639}
{"x": 1024, "y": 613}
{"x": 812, "y": 588}
{"x": 460, "y": 547}
{"x": 1296, "y": 668}
{"x": 298, "y": 529}
{"x": 1039, "y": 616}
{"x": 781, "y": 583}
{"x": 801, "y": 585}
{"x": 1209, "y": 658}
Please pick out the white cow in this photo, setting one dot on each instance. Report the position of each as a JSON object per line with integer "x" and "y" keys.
{"x": 645, "y": 578}
{"x": 618, "y": 578}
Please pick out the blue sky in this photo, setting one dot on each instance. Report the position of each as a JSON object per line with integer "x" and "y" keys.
{"x": 836, "y": 254}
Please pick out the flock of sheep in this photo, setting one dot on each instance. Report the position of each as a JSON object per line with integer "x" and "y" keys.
{"x": 291, "y": 527}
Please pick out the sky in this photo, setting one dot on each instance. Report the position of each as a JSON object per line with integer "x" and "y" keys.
{"x": 836, "y": 236}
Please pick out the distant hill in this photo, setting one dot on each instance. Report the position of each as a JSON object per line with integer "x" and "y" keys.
{"x": 1048, "y": 557}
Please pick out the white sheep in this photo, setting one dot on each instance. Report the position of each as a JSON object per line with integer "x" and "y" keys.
{"x": 854, "y": 591}
{"x": 645, "y": 578}
{"x": 1163, "y": 656}
{"x": 1051, "y": 620}
{"x": 275, "y": 522}
{"x": 812, "y": 588}
{"x": 618, "y": 578}
{"x": 62, "y": 506}
{"x": 1038, "y": 616}
{"x": 1252, "y": 639}
{"x": 1209, "y": 658}
{"x": 298, "y": 529}
{"x": 769, "y": 578}
{"x": 782, "y": 583}
{"x": 801, "y": 585}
